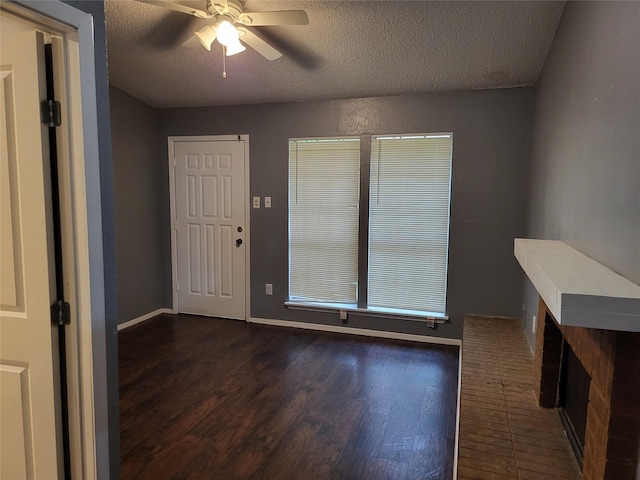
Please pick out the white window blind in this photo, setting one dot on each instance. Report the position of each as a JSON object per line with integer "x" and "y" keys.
{"x": 324, "y": 189}
{"x": 409, "y": 222}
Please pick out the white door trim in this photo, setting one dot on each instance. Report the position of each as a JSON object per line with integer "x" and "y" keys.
{"x": 172, "y": 140}
{"x": 87, "y": 341}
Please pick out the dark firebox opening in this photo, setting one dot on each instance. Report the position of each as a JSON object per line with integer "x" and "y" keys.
{"x": 574, "y": 399}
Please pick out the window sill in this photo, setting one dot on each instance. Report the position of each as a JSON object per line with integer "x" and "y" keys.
{"x": 413, "y": 315}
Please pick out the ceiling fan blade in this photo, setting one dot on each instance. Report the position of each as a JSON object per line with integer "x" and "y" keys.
{"x": 284, "y": 17}
{"x": 176, "y": 7}
{"x": 258, "y": 44}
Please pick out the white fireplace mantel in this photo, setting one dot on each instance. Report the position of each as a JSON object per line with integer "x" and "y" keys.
{"x": 579, "y": 291}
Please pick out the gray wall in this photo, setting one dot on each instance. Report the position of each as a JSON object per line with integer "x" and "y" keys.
{"x": 141, "y": 195}
{"x": 490, "y": 161}
{"x": 585, "y": 165}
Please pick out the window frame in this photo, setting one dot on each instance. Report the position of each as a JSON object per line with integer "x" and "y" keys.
{"x": 363, "y": 243}
{"x": 411, "y": 136}
{"x": 301, "y": 300}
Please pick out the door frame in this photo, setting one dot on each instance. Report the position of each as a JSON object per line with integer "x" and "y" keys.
{"x": 81, "y": 205}
{"x": 172, "y": 140}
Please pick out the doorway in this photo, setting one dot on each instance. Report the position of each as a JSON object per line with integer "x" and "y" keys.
{"x": 30, "y": 393}
{"x": 210, "y": 234}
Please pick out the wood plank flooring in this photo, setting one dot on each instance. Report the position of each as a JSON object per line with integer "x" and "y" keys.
{"x": 204, "y": 398}
{"x": 504, "y": 434}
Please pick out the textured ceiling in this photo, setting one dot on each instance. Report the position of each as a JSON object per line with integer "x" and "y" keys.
{"x": 350, "y": 49}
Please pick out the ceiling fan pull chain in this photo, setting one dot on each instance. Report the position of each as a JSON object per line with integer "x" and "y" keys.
{"x": 224, "y": 63}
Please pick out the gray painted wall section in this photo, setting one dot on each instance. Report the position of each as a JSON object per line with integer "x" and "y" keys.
{"x": 585, "y": 165}
{"x": 143, "y": 248}
{"x": 96, "y": 9}
{"x": 490, "y": 162}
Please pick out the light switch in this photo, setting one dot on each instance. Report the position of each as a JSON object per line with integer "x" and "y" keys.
{"x": 256, "y": 202}
{"x": 267, "y": 202}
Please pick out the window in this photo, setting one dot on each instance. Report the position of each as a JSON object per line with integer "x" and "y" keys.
{"x": 408, "y": 197}
{"x": 324, "y": 192}
{"x": 409, "y": 222}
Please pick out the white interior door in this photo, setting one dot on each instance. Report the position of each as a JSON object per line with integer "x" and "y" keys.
{"x": 210, "y": 227}
{"x": 29, "y": 429}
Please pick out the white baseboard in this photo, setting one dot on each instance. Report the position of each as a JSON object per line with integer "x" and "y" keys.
{"x": 357, "y": 331}
{"x": 144, "y": 318}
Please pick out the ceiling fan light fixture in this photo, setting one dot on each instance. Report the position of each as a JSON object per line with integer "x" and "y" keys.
{"x": 227, "y": 33}
{"x": 224, "y": 14}
{"x": 206, "y": 36}
{"x": 234, "y": 48}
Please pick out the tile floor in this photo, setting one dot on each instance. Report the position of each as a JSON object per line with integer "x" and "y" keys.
{"x": 504, "y": 434}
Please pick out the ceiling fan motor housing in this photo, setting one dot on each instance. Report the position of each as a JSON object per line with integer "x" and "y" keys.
{"x": 232, "y": 9}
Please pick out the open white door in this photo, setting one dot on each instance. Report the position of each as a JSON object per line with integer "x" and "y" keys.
{"x": 210, "y": 227}
{"x": 29, "y": 431}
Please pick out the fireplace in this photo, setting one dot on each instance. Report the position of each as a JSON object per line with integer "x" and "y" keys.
{"x": 588, "y": 355}
{"x": 607, "y": 385}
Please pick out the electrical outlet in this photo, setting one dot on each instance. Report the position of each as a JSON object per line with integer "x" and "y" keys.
{"x": 343, "y": 314}
{"x": 268, "y": 289}
{"x": 533, "y": 324}
{"x": 256, "y": 202}
{"x": 267, "y": 202}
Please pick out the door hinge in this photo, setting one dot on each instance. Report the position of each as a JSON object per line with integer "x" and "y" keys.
{"x": 177, "y": 286}
{"x": 51, "y": 113}
{"x": 61, "y": 313}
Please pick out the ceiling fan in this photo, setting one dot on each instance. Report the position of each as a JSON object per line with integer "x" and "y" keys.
{"x": 230, "y": 23}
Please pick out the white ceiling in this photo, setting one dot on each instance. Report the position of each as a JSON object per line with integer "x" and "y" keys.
{"x": 350, "y": 49}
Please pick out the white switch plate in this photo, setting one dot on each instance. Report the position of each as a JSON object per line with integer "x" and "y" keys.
{"x": 267, "y": 202}
{"x": 268, "y": 289}
{"x": 533, "y": 324}
{"x": 256, "y": 202}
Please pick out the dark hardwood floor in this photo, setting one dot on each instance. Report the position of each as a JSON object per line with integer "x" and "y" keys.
{"x": 204, "y": 398}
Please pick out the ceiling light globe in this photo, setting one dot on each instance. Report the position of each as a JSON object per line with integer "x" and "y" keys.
{"x": 227, "y": 33}
{"x": 234, "y": 48}
{"x": 206, "y": 36}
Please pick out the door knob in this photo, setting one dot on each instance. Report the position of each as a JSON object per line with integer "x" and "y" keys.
{"x": 238, "y": 242}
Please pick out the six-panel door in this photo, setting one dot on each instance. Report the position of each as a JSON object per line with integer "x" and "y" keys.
{"x": 210, "y": 212}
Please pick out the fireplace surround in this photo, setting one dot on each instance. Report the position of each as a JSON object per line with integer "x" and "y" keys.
{"x": 596, "y": 313}
{"x": 612, "y": 360}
